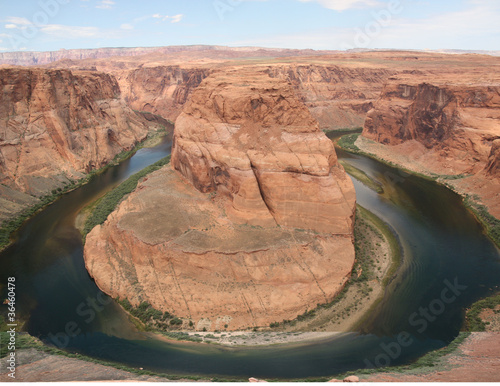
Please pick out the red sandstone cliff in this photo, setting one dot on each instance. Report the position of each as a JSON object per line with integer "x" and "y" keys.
{"x": 337, "y": 96}
{"x": 57, "y": 124}
{"x": 161, "y": 90}
{"x": 216, "y": 240}
{"x": 248, "y": 136}
{"x": 458, "y": 121}
{"x": 447, "y": 127}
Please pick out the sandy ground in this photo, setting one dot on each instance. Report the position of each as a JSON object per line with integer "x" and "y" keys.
{"x": 476, "y": 360}
{"x": 491, "y": 317}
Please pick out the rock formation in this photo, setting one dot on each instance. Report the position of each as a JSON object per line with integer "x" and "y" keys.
{"x": 493, "y": 167}
{"x": 253, "y": 226}
{"x": 337, "y": 96}
{"x": 56, "y": 125}
{"x": 247, "y": 136}
{"x": 450, "y": 127}
{"x": 457, "y": 121}
{"x": 161, "y": 90}
{"x": 30, "y": 58}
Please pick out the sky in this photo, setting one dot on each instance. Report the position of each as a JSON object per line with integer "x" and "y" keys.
{"x": 50, "y": 25}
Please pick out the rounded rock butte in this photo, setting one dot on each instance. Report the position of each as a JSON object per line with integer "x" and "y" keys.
{"x": 251, "y": 224}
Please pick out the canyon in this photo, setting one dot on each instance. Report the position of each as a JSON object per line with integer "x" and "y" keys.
{"x": 260, "y": 215}
{"x": 56, "y": 126}
{"x": 254, "y": 214}
{"x": 248, "y": 168}
{"x": 444, "y": 126}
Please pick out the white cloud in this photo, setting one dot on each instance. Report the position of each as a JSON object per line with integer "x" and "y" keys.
{"x": 14, "y": 22}
{"x": 71, "y": 32}
{"x": 127, "y": 26}
{"x": 475, "y": 27}
{"x": 173, "y": 19}
{"x": 176, "y": 18}
{"x": 106, "y": 4}
{"x": 342, "y": 5}
{"x": 18, "y": 20}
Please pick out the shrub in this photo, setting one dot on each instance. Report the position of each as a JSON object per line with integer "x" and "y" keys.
{"x": 176, "y": 322}
{"x": 110, "y": 201}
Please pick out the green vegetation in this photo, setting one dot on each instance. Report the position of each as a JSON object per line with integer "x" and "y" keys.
{"x": 381, "y": 226}
{"x": 362, "y": 177}
{"x": 490, "y": 223}
{"x": 473, "y": 321}
{"x": 107, "y": 204}
{"x": 9, "y": 227}
{"x": 151, "y": 318}
{"x": 347, "y": 143}
{"x": 343, "y": 130}
{"x": 22, "y": 341}
{"x": 364, "y": 267}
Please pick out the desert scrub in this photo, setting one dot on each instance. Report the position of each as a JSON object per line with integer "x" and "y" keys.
{"x": 346, "y": 130}
{"x": 107, "y": 204}
{"x": 473, "y": 321}
{"x": 151, "y": 318}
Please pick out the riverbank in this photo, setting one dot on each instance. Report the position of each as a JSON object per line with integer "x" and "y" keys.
{"x": 470, "y": 358}
{"x": 378, "y": 256}
{"x": 9, "y": 227}
{"x": 473, "y": 360}
{"x": 356, "y": 143}
{"x": 36, "y": 362}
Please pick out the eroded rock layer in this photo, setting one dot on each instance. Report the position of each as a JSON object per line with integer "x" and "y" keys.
{"x": 247, "y": 136}
{"x": 58, "y": 124}
{"x": 450, "y": 128}
{"x": 251, "y": 225}
{"x": 461, "y": 121}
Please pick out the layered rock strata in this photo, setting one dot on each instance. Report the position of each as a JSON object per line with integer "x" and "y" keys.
{"x": 56, "y": 124}
{"x": 448, "y": 128}
{"x": 251, "y": 225}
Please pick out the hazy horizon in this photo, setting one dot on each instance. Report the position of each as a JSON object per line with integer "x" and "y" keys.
{"x": 52, "y": 25}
